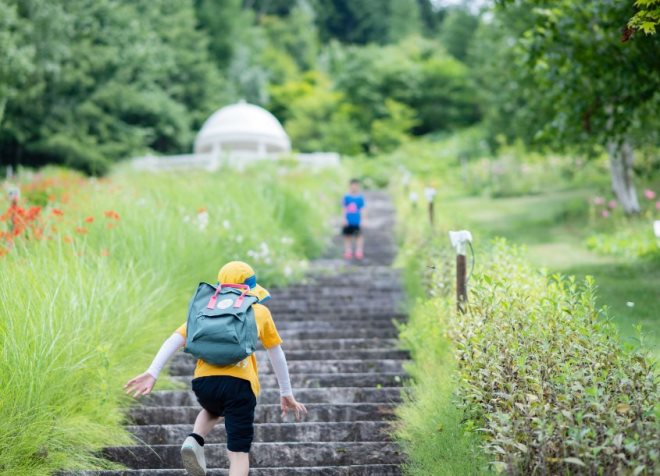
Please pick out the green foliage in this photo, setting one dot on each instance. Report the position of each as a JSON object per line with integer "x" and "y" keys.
{"x": 571, "y": 51}
{"x": 317, "y": 116}
{"x": 414, "y": 72}
{"x": 367, "y": 21}
{"x": 457, "y": 30}
{"x": 543, "y": 374}
{"x": 631, "y": 241}
{"x": 431, "y": 426}
{"x": 91, "y": 97}
{"x": 647, "y": 18}
{"x": 60, "y": 298}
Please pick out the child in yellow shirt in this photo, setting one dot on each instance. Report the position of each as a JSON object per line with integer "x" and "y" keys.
{"x": 228, "y": 391}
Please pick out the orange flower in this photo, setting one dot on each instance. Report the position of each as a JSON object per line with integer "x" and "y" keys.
{"x": 112, "y": 214}
{"x": 89, "y": 219}
{"x": 57, "y": 212}
{"x": 68, "y": 239}
{"x": 3, "y": 251}
{"x": 110, "y": 226}
{"x": 201, "y": 210}
{"x": 33, "y": 213}
{"x": 105, "y": 252}
{"x": 81, "y": 230}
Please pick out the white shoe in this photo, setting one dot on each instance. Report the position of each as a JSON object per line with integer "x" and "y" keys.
{"x": 193, "y": 458}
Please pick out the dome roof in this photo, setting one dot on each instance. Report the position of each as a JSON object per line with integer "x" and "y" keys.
{"x": 243, "y": 121}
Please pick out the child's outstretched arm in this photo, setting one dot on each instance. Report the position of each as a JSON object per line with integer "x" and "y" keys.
{"x": 287, "y": 400}
{"x": 144, "y": 383}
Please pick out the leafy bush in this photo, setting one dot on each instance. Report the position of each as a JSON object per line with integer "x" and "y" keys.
{"x": 636, "y": 240}
{"x": 543, "y": 374}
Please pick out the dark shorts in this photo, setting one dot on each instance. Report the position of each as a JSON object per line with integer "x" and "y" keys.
{"x": 232, "y": 398}
{"x": 351, "y": 230}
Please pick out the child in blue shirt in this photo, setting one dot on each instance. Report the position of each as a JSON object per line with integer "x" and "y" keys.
{"x": 353, "y": 219}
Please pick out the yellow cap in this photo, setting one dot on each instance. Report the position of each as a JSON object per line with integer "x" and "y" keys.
{"x": 238, "y": 272}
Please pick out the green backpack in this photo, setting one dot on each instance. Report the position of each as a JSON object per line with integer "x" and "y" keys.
{"x": 221, "y": 328}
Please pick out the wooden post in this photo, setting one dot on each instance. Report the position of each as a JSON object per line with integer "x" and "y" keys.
{"x": 459, "y": 240}
{"x": 430, "y": 192}
{"x": 461, "y": 285}
{"x": 431, "y": 214}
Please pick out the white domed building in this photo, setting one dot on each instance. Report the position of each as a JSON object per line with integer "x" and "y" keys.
{"x": 242, "y": 130}
{"x": 237, "y": 135}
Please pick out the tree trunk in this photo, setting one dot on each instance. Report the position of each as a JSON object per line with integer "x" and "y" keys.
{"x": 621, "y": 172}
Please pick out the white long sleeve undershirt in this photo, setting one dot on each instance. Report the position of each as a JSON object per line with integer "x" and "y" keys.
{"x": 167, "y": 350}
{"x": 278, "y": 361}
{"x": 176, "y": 341}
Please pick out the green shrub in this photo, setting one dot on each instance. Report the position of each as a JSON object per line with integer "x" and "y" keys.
{"x": 544, "y": 375}
{"x": 634, "y": 240}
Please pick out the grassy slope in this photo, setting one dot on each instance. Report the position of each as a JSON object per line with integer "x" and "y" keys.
{"x": 76, "y": 323}
{"x": 552, "y": 226}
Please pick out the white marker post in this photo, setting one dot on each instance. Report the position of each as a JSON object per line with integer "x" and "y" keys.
{"x": 429, "y": 193}
{"x": 459, "y": 240}
{"x": 413, "y": 198}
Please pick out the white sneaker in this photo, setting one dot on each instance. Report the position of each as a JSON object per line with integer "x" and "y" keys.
{"x": 192, "y": 455}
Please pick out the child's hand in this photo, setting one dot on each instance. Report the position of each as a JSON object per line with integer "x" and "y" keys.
{"x": 290, "y": 403}
{"x": 140, "y": 385}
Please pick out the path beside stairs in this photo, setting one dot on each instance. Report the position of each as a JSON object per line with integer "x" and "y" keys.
{"x": 340, "y": 343}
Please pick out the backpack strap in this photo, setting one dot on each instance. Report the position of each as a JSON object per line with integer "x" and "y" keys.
{"x": 239, "y": 301}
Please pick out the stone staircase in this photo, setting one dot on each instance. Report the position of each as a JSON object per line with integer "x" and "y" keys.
{"x": 340, "y": 342}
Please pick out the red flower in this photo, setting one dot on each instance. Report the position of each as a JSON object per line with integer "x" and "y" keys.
{"x": 112, "y": 214}
{"x": 89, "y": 219}
{"x": 57, "y": 212}
{"x": 105, "y": 252}
{"x": 33, "y": 213}
{"x": 81, "y": 230}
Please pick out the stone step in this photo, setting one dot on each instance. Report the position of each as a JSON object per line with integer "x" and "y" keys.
{"x": 186, "y": 367}
{"x": 342, "y": 333}
{"x": 328, "y": 295}
{"x": 366, "y": 354}
{"x": 320, "y": 380}
{"x": 263, "y": 455}
{"x": 329, "y": 395}
{"x": 321, "y": 325}
{"x": 271, "y": 432}
{"x": 338, "y": 315}
{"x": 327, "y": 354}
{"x": 268, "y": 413}
{"x": 348, "y": 470}
{"x": 339, "y": 344}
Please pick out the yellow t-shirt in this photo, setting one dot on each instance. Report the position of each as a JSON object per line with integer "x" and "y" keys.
{"x": 246, "y": 368}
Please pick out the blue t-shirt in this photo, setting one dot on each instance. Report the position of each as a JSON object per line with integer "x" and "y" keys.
{"x": 353, "y": 204}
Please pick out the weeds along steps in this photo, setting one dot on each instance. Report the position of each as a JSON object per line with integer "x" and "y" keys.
{"x": 338, "y": 328}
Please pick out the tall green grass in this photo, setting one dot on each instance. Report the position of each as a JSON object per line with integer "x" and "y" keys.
{"x": 78, "y": 318}
{"x": 430, "y": 423}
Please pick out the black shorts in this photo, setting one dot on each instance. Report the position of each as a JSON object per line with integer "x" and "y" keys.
{"x": 351, "y": 230}
{"x": 231, "y": 397}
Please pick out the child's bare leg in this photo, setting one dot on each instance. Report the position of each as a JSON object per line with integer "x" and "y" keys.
{"x": 359, "y": 245}
{"x": 204, "y": 423}
{"x": 239, "y": 463}
{"x": 348, "y": 246}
